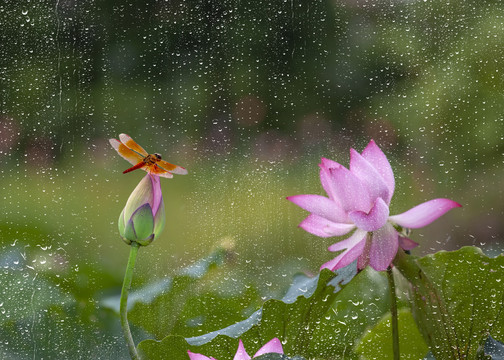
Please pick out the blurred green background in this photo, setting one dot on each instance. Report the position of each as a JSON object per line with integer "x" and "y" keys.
{"x": 247, "y": 96}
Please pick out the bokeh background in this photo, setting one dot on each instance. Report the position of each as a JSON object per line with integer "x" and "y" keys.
{"x": 247, "y": 96}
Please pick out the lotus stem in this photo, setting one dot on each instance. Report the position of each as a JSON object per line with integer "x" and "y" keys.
{"x": 128, "y": 276}
{"x": 393, "y": 311}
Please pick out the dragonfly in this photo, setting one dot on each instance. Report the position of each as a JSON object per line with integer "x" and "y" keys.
{"x": 141, "y": 159}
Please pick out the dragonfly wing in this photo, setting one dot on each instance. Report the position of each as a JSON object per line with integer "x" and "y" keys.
{"x": 126, "y": 152}
{"x": 129, "y": 142}
{"x": 156, "y": 170}
{"x": 175, "y": 169}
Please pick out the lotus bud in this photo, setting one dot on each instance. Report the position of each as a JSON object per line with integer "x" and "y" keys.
{"x": 143, "y": 217}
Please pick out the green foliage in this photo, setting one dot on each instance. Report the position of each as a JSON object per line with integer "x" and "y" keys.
{"x": 313, "y": 320}
{"x": 359, "y": 305}
{"x": 457, "y": 300}
{"x": 177, "y": 347}
{"x": 174, "y": 345}
{"x": 291, "y": 320}
{"x": 278, "y": 357}
{"x": 43, "y": 301}
{"x": 377, "y": 341}
{"x": 300, "y": 312}
{"x": 329, "y": 316}
{"x": 324, "y": 323}
{"x": 174, "y": 305}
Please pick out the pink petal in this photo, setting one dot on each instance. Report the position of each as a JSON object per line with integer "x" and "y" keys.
{"x": 194, "y": 356}
{"x": 325, "y": 176}
{"x": 425, "y": 213}
{"x": 157, "y": 195}
{"x": 363, "y": 259}
{"x": 373, "y": 181}
{"x": 376, "y": 218}
{"x": 321, "y": 206}
{"x": 354, "y": 246}
{"x": 348, "y": 242}
{"x": 406, "y": 243}
{"x": 350, "y": 191}
{"x": 273, "y": 346}
{"x": 377, "y": 158}
{"x": 328, "y": 163}
{"x": 322, "y": 227}
{"x": 241, "y": 354}
{"x": 384, "y": 244}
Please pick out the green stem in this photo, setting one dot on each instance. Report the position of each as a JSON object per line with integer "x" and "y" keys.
{"x": 393, "y": 310}
{"x": 128, "y": 276}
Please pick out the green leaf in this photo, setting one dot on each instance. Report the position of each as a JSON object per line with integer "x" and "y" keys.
{"x": 359, "y": 305}
{"x": 307, "y": 300}
{"x": 175, "y": 346}
{"x": 313, "y": 297}
{"x": 158, "y": 306}
{"x": 377, "y": 342}
{"x": 457, "y": 299}
{"x": 274, "y": 356}
{"x": 210, "y": 311}
{"x": 312, "y": 320}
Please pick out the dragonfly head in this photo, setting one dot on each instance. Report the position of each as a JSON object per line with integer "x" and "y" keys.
{"x": 158, "y": 156}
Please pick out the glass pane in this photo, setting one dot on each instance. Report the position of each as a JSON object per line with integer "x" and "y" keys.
{"x": 248, "y": 96}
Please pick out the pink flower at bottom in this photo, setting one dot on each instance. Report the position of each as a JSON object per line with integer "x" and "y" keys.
{"x": 273, "y": 346}
{"x": 358, "y": 200}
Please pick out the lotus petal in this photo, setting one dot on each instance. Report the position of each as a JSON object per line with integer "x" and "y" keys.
{"x": 194, "y": 356}
{"x": 373, "y": 154}
{"x": 406, "y": 243}
{"x": 383, "y": 248}
{"x": 374, "y": 220}
{"x": 425, "y": 213}
{"x": 325, "y": 177}
{"x": 321, "y": 206}
{"x": 272, "y": 346}
{"x": 363, "y": 259}
{"x": 322, "y": 227}
{"x": 371, "y": 178}
{"x": 350, "y": 191}
{"x": 241, "y": 354}
{"x": 354, "y": 246}
{"x": 143, "y": 222}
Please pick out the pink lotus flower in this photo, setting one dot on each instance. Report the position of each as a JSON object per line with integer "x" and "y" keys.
{"x": 273, "y": 346}
{"x": 359, "y": 200}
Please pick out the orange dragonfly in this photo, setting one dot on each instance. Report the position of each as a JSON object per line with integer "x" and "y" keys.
{"x": 140, "y": 159}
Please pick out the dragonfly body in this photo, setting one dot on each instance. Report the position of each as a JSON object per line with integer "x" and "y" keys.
{"x": 150, "y": 159}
